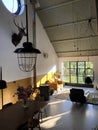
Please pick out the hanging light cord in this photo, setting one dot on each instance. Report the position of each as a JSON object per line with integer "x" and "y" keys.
{"x": 27, "y": 20}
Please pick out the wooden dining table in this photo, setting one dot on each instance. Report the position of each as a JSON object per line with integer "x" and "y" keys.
{"x": 13, "y": 116}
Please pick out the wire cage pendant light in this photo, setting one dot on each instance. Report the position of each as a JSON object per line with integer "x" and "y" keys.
{"x": 27, "y": 54}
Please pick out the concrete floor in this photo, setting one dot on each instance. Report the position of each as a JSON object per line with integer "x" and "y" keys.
{"x": 65, "y": 115}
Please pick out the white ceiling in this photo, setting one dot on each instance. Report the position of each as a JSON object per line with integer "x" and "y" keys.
{"x": 71, "y": 26}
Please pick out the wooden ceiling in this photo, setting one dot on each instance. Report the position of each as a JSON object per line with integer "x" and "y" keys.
{"x": 71, "y": 26}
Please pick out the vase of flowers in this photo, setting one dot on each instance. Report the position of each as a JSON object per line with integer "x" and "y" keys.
{"x": 25, "y": 103}
{"x": 24, "y": 94}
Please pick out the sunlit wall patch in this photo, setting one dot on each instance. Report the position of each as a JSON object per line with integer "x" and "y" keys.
{"x": 14, "y": 6}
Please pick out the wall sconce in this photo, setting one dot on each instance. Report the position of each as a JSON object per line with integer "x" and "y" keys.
{"x": 45, "y": 55}
{"x": 27, "y": 55}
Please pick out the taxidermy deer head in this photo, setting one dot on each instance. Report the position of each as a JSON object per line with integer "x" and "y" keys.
{"x": 16, "y": 38}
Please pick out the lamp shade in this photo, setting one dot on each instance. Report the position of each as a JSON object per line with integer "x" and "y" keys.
{"x": 27, "y": 56}
{"x": 3, "y": 84}
{"x": 27, "y": 48}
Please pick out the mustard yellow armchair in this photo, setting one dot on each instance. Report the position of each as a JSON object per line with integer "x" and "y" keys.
{"x": 56, "y": 85}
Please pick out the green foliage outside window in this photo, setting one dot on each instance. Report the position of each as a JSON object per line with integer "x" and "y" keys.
{"x": 75, "y": 71}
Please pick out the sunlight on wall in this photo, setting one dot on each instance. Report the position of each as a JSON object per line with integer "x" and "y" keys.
{"x": 48, "y": 76}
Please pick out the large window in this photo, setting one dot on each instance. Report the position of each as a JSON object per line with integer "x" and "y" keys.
{"x": 14, "y": 6}
{"x": 76, "y": 71}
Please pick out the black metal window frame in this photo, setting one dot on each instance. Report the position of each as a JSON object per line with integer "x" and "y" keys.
{"x": 76, "y": 69}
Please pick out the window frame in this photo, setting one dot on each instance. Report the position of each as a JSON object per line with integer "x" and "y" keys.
{"x": 76, "y": 69}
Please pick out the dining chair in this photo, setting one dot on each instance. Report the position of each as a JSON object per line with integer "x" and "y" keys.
{"x": 42, "y": 112}
{"x": 32, "y": 123}
{"x": 35, "y": 121}
{"x": 23, "y": 126}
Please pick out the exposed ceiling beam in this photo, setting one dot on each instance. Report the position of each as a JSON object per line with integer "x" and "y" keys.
{"x": 89, "y": 50}
{"x": 68, "y": 39}
{"x": 69, "y": 23}
{"x": 57, "y": 5}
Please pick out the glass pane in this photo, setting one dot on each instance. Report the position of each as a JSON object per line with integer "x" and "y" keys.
{"x": 14, "y": 6}
{"x": 73, "y": 65}
{"x": 66, "y": 78}
{"x": 80, "y": 64}
{"x": 80, "y": 72}
{"x": 73, "y": 79}
{"x": 11, "y": 5}
{"x": 89, "y": 65}
{"x": 66, "y": 64}
{"x": 66, "y": 72}
{"x": 73, "y": 71}
{"x": 89, "y": 72}
{"x": 81, "y": 80}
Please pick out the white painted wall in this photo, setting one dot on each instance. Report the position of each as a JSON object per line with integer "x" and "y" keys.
{"x": 8, "y": 59}
{"x": 45, "y": 46}
{"x": 93, "y": 59}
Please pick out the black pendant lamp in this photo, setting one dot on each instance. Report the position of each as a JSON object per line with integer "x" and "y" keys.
{"x": 27, "y": 54}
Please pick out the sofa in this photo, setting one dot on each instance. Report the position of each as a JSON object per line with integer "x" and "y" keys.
{"x": 77, "y": 95}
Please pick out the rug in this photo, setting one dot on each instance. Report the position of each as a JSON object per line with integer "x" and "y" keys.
{"x": 64, "y": 95}
{"x": 92, "y": 99}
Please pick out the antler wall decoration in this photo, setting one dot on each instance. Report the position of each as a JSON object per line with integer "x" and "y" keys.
{"x": 16, "y": 38}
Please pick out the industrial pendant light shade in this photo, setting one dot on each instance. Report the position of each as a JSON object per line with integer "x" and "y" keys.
{"x": 27, "y": 56}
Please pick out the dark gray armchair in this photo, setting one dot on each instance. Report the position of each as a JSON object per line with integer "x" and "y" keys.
{"x": 77, "y": 95}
